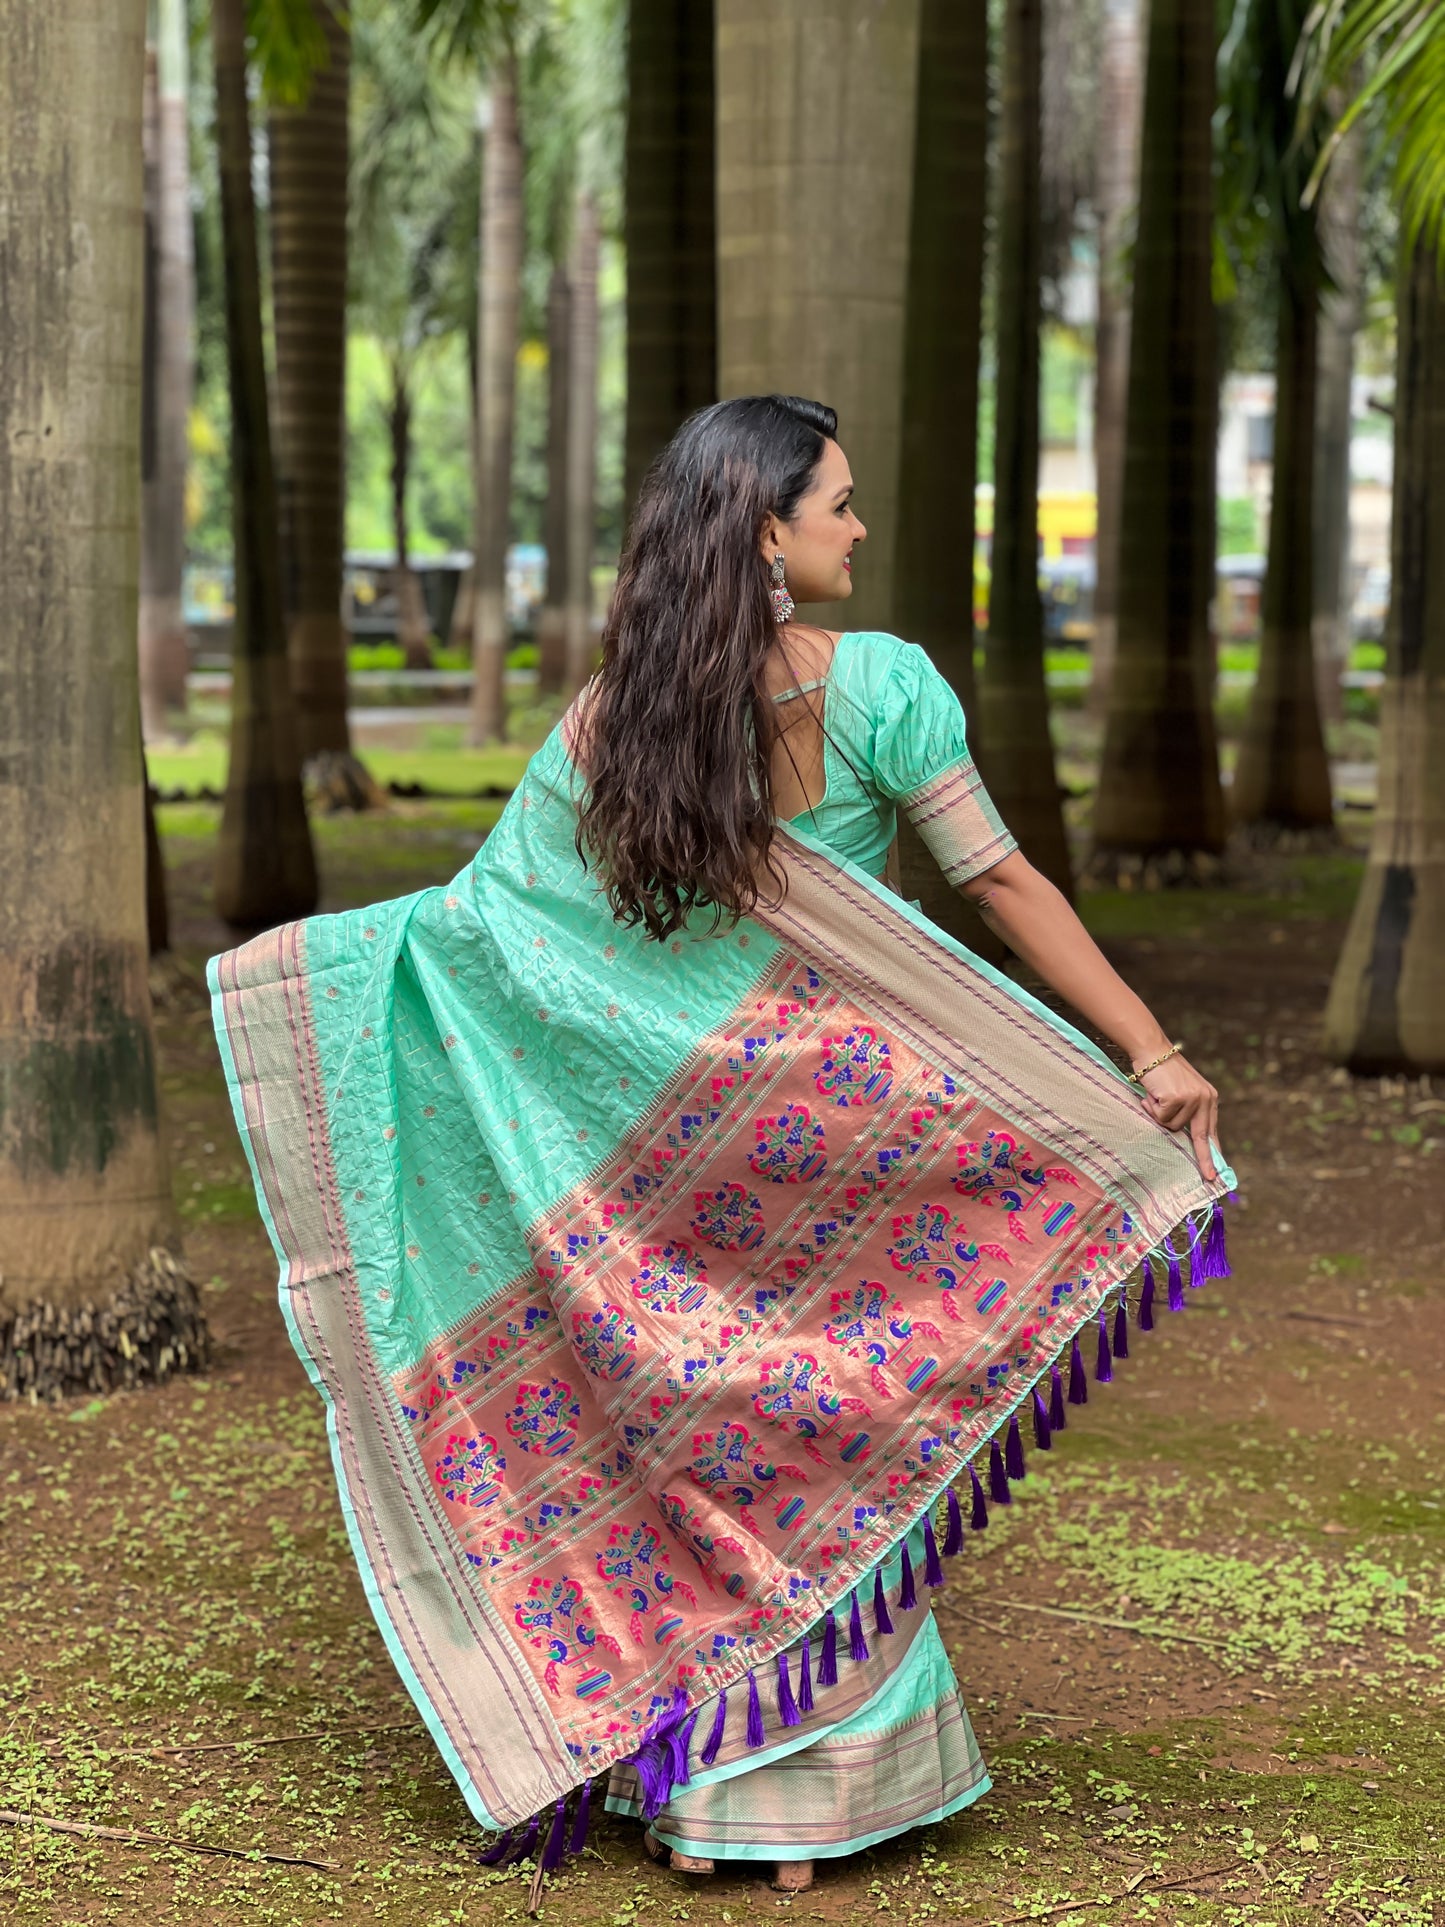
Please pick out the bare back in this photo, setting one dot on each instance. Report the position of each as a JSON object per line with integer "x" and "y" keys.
{"x": 803, "y": 657}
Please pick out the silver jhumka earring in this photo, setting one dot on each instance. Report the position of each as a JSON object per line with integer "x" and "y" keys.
{"x": 783, "y": 604}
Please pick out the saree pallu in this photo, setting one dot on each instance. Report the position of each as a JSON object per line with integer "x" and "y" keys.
{"x": 657, "y": 1291}
{"x": 844, "y": 1780}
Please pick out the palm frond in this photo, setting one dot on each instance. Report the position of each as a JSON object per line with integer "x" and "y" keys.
{"x": 1387, "y": 55}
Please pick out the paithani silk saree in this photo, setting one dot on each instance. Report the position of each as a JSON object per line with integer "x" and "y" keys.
{"x": 656, "y": 1291}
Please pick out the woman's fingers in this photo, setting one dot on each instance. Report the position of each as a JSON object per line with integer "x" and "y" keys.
{"x": 1199, "y": 1136}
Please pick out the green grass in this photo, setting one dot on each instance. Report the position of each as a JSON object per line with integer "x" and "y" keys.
{"x": 440, "y": 762}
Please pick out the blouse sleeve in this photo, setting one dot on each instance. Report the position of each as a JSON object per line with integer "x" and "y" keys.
{"x": 921, "y": 760}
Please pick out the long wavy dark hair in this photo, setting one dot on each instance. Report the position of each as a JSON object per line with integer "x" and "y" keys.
{"x": 676, "y": 734}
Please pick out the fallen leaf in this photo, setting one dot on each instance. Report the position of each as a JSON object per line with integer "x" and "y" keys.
{"x": 1309, "y": 1843}
{"x": 1333, "y": 1526}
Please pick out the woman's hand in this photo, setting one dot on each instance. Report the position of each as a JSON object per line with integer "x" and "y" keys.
{"x": 1176, "y": 1096}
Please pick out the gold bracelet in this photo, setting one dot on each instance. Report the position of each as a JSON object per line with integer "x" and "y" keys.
{"x": 1137, "y": 1077}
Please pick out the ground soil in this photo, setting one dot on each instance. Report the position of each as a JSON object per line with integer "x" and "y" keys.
{"x": 1202, "y": 1650}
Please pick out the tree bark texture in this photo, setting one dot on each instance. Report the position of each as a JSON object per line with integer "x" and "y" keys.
{"x": 1387, "y": 1002}
{"x": 499, "y": 296}
{"x": 265, "y": 867}
{"x": 1341, "y": 315}
{"x": 1116, "y": 195}
{"x": 581, "y": 443}
{"x": 413, "y": 624}
{"x": 1160, "y": 809}
{"x": 170, "y": 330}
{"x": 308, "y": 165}
{"x": 1016, "y": 754}
{"x": 85, "y": 1208}
{"x": 1282, "y": 781}
{"x": 938, "y": 463}
{"x": 552, "y": 618}
{"x": 669, "y": 225}
{"x": 815, "y": 168}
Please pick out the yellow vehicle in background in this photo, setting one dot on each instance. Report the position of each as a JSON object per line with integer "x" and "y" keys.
{"x": 1068, "y": 523}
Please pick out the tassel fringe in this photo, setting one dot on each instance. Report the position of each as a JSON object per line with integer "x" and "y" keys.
{"x": 662, "y": 1758}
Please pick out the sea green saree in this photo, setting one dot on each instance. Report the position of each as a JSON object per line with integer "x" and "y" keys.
{"x": 661, "y": 1294}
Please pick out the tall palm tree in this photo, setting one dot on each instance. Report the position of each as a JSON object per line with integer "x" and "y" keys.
{"x": 1385, "y": 1010}
{"x": 170, "y": 329}
{"x": 265, "y": 865}
{"x": 91, "y": 1295}
{"x": 1160, "y": 809}
{"x": 1341, "y": 317}
{"x": 669, "y": 225}
{"x": 1116, "y": 193}
{"x": 308, "y": 149}
{"x": 581, "y": 494}
{"x": 1282, "y": 781}
{"x": 552, "y": 617}
{"x": 498, "y": 311}
{"x": 937, "y": 469}
{"x": 813, "y": 223}
{"x": 1017, "y": 754}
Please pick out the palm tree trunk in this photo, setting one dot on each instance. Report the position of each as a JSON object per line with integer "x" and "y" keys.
{"x": 552, "y": 620}
{"x": 937, "y": 472}
{"x": 1341, "y": 314}
{"x": 1282, "y": 781}
{"x": 1386, "y": 1011}
{"x": 90, "y": 1296}
{"x": 1159, "y": 815}
{"x": 170, "y": 293}
{"x": 1017, "y": 755}
{"x": 265, "y": 867}
{"x": 813, "y": 226}
{"x": 669, "y": 225}
{"x": 1116, "y": 194}
{"x": 413, "y": 624}
{"x": 581, "y": 443}
{"x": 308, "y": 165}
{"x": 498, "y": 306}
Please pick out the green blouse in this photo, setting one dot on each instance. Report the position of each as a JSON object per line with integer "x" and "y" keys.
{"x": 893, "y": 727}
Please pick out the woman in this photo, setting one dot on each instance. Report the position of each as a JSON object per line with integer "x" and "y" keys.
{"x": 670, "y": 1215}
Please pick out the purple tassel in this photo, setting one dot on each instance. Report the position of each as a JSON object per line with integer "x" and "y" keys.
{"x": 1057, "y": 1419}
{"x": 978, "y": 1518}
{"x": 680, "y": 1740}
{"x": 787, "y": 1706}
{"x": 1121, "y": 1329}
{"x": 1197, "y": 1273}
{"x": 882, "y": 1622}
{"x": 1213, "y": 1254}
{"x": 953, "y": 1536}
{"x": 828, "y": 1664}
{"x": 528, "y": 1848}
{"x": 1104, "y": 1365}
{"x": 907, "y": 1591}
{"x": 805, "y": 1677}
{"x": 755, "y": 1734}
{"x": 1043, "y": 1431}
{"x": 1078, "y": 1381}
{"x": 1176, "y": 1284}
{"x": 932, "y": 1564}
{"x": 1146, "y": 1300}
{"x": 715, "y": 1738}
{"x": 1014, "y": 1450}
{"x": 577, "y": 1839}
{"x": 997, "y": 1478}
{"x": 857, "y": 1644}
{"x": 499, "y": 1851}
{"x": 552, "y": 1852}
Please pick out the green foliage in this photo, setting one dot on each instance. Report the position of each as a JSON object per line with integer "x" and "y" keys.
{"x": 1399, "y": 48}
